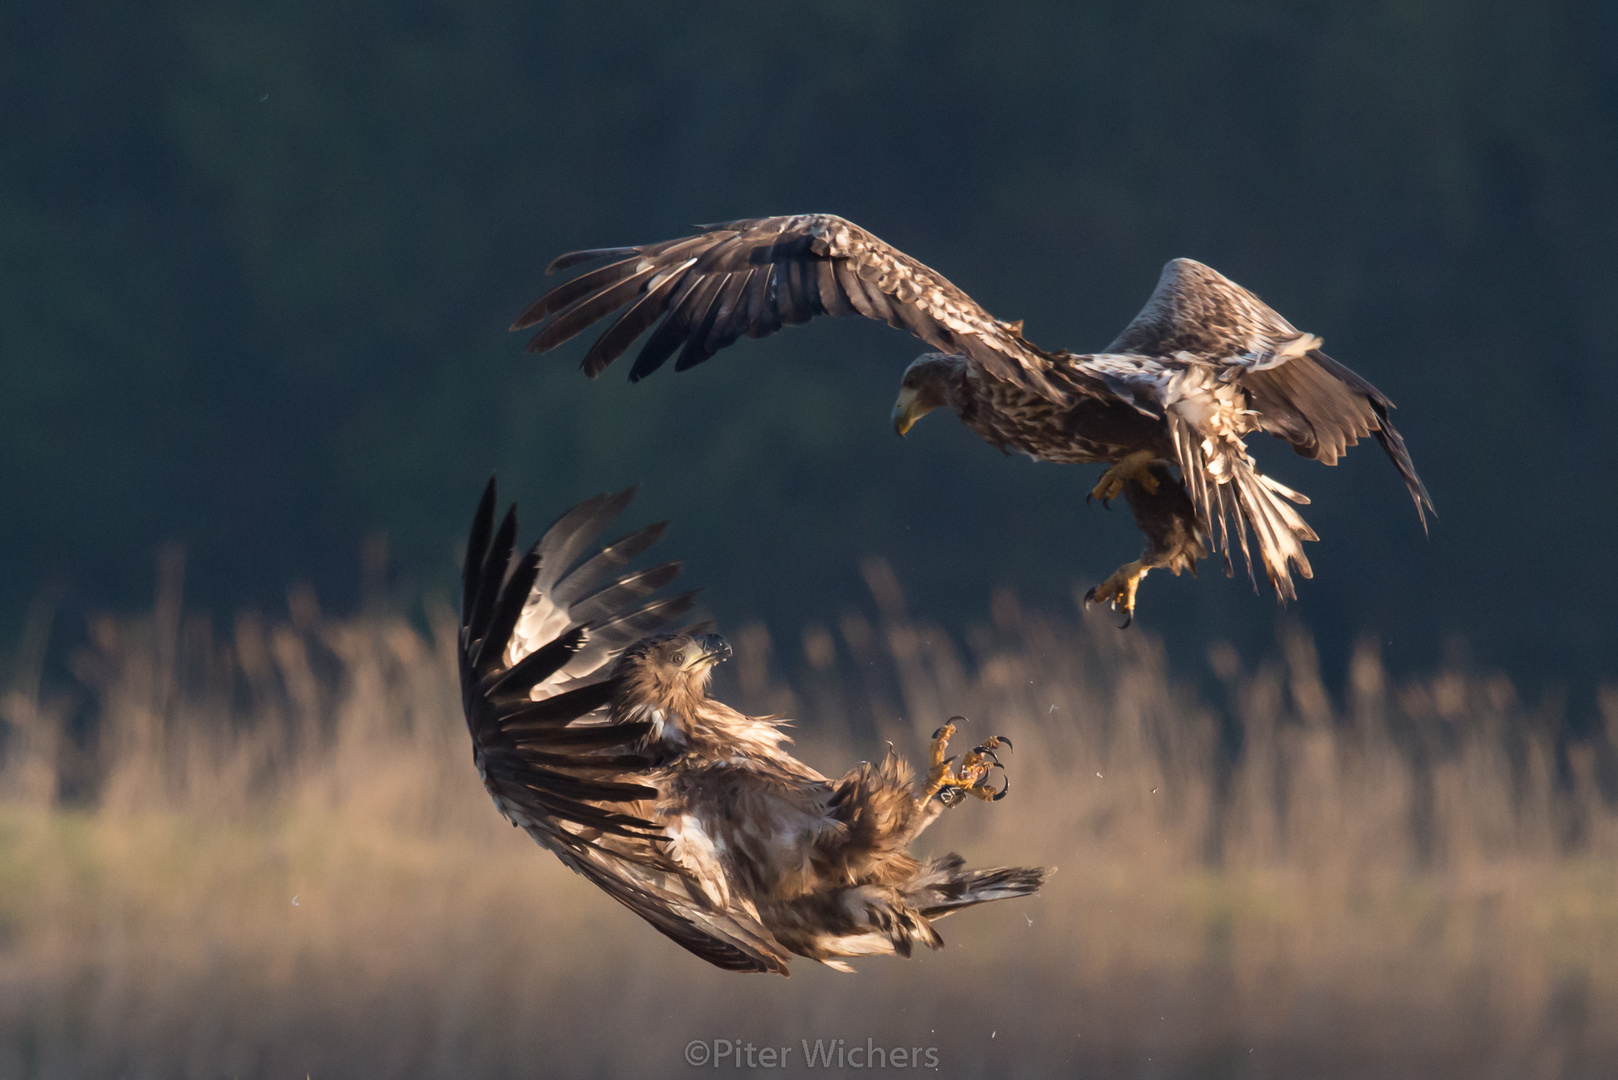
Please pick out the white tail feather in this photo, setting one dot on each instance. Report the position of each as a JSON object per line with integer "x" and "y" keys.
{"x": 1224, "y": 483}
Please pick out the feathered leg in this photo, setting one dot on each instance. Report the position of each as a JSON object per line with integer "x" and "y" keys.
{"x": 1174, "y": 539}
{"x": 882, "y": 809}
{"x": 889, "y": 906}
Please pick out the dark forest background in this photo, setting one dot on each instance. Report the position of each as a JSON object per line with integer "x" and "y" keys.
{"x": 257, "y": 261}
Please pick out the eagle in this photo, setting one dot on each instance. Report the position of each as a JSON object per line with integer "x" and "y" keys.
{"x": 593, "y": 729}
{"x": 1167, "y": 406}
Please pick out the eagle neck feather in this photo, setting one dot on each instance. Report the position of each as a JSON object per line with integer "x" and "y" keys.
{"x": 698, "y": 725}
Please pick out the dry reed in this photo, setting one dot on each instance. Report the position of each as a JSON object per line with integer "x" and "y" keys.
{"x": 274, "y": 858}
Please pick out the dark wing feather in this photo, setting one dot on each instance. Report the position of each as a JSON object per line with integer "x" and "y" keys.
{"x": 754, "y": 276}
{"x": 1299, "y": 393}
{"x": 534, "y": 702}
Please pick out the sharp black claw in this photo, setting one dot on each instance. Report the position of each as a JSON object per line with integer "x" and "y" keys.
{"x": 1002, "y": 792}
{"x": 1090, "y": 596}
{"x": 988, "y": 753}
{"x": 1006, "y": 741}
{"x": 959, "y": 720}
{"x": 1129, "y": 617}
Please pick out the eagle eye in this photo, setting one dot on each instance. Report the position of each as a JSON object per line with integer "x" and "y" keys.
{"x": 678, "y": 658}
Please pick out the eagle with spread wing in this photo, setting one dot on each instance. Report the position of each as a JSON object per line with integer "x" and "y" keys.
{"x": 1205, "y": 364}
{"x": 593, "y": 730}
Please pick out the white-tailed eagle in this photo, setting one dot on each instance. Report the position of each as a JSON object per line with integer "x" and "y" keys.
{"x": 1205, "y": 364}
{"x": 594, "y": 731}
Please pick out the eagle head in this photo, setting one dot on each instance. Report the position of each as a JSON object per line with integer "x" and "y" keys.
{"x": 930, "y": 382}
{"x": 670, "y": 668}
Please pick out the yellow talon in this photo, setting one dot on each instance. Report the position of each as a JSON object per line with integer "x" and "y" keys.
{"x": 968, "y": 777}
{"x": 938, "y": 764}
{"x": 1118, "y": 591}
{"x": 1136, "y": 466}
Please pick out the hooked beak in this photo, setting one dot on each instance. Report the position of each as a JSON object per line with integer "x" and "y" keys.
{"x": 906, "y": 411}
{"x": 715, "y": 649}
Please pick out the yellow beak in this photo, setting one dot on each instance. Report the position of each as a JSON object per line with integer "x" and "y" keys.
{"x": 905, "y": 412}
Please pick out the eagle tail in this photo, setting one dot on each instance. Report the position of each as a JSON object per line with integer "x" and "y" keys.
{"x": 1233, "y": 498}
{"x": 946, "y": 885}
{"x": 897, "y": 918}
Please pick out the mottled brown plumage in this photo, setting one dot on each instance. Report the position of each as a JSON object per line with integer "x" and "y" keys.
{"x": 755, "y": 276}
{"x": 1203, "y": 365}
{"x": 597, "y": 735}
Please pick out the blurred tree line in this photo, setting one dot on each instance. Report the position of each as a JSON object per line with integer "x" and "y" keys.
{"x": 258, "y": 260}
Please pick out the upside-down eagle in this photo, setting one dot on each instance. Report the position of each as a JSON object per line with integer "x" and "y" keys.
{"x": 1203, "y": 365}
{"x": 594, "y": 732}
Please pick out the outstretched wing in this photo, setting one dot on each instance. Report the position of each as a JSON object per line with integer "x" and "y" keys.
{"x": 1296, "y": 392}
{"x": 757, "y": 275}
{"x": 538, "y": 637}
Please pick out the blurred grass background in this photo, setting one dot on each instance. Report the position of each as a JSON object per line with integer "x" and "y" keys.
{"x": 261, "y": 850}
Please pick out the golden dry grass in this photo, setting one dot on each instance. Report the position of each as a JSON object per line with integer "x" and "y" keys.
{"x": 277, "y": 860}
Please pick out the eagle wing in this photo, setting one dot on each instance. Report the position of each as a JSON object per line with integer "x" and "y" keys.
{"x": 538, "y": 637}
{"x": 1293, "y": 389}
{"x": 757, "y": 275}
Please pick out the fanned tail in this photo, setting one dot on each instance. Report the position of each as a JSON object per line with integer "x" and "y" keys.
{"x": 1232, "y": 497}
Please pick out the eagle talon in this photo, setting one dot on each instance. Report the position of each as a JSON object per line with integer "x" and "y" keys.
{"x": 951, "y": 786}
{"x": 1136, "y": 466}
{"x": 1118, "y": 591}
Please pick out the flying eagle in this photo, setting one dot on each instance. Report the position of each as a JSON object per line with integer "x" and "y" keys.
{"x": 1204, "y": 364}
{"x": 595, "y": 732}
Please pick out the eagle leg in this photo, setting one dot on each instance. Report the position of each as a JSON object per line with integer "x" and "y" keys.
{"x": 968, "y": 777}
{"x": 1135, "y": 466}
{"x": 1118, "y": 591}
